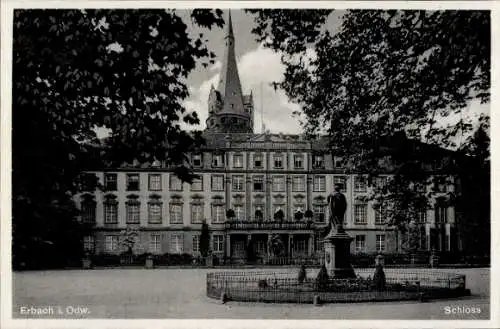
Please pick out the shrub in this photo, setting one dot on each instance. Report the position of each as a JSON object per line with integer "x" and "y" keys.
{"x": 379, "y": 278}
{"x": 322, "y": 279}
{"x": 302, "y": 274}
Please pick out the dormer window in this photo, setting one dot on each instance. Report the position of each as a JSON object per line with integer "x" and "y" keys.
{"x": 257, "y": 161}
{"x": 319, "y": 161}
{"x": 217, "y": 160}
{"x": 197, "y": 162}
{"x": 278, "y": 161}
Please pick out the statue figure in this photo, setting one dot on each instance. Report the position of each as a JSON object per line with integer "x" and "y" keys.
{"x": 338, "y": 206}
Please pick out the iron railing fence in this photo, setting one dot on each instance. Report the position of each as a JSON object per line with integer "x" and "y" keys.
{"x": 285, "y": 287}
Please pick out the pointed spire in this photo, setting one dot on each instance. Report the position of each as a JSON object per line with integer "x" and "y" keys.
{"x": 229, "y": 84}
{"x": 229, "y": 32}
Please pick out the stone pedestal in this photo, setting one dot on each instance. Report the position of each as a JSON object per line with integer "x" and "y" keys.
{"x": 337, "y": 255}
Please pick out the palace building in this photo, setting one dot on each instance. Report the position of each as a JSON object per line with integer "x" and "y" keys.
{"x": 268, "y": 180}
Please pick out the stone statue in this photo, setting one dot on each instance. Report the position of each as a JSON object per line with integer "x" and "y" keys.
{"x": 338, "y": 205}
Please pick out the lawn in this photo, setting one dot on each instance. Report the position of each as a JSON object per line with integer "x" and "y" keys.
{"x": 181, "y": 293}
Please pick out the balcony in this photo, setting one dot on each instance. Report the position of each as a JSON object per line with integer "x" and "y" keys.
{"x": 269, "y": 225}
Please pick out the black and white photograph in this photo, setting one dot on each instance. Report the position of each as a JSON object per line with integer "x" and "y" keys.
{"x": 247, "y": 161}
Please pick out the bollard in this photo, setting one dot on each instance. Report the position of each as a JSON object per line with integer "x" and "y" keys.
{"x": 223, "y": 297}
{"x": 316, "y": 300}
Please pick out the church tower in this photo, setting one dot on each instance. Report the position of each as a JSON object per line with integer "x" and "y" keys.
{"x": 229, "y": 111}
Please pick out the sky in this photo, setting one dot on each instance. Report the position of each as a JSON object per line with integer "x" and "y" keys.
{"x": 258, "y": 67}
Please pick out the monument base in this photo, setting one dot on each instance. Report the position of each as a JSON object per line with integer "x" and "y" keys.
{"x": 337, "y": 255}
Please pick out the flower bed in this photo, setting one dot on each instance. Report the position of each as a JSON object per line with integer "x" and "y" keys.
{"x": 285, "y": 287}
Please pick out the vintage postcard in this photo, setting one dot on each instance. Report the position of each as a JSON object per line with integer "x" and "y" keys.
{"x": 224, "y": 164}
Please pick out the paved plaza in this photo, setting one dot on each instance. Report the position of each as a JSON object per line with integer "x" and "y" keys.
{"x": 181, "y": 293}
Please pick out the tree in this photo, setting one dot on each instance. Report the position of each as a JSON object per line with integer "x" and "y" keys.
{"x": 204, "y": 240}
{"x": 230, "y": 214}
{"x": 473, "y": 203}
{"x": 381, "y": 83}
{"x": 122, "y": 70}
{"x": 129, "y": 238}
{"x": 298, "y": 215}
{"x": 276, "y": 245}
{"x": 279, "y": 215}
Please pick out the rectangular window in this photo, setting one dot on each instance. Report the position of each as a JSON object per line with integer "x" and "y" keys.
{"x": 89, "y": 244}
{"x": 88, "y": 212}
{"x": 340, "y": 180}
{"x": 379, "y": 215}
{"x": 238, "y": 182}
{"x": 360, "y": 243}
{"x": 319, "y": 213}
{"x": 258, "y": 212}
{"x": 197, "y": 184}
{"x": 154, "y": 213}
{"x": 360, "y": 214}
{"x": 133, "y": 213}
{"x": 319, "y": 184}
{"x": 155, "y": 244}
{"x": 175, "y": 184}
{"x": 380, "y": 240}
{"x": 298, "y": 184}
{"x": 89, "y": 182}
{"x": 239, "y": 213}
{"x": 441, "y": 215}
{"x": 197, "y": 160}
{"x": 359, "y": 184}
{"x": 278, "y": 161}
{"x": 111, "y": 213}
{"x": 257, "y": 161}
{"x": 196, "y": 213}
{"x": 218, "y": 214}
{"x": 258, "y": 184}
{"x": 298, "y": 161}
{"x": 440, "y": 184}
{"x": 177, "y": 243}
{"x": 132, "y": 182}
{"x": 278, "y": 184}
{"x": 217, "y": 183}
{"x": 260, "y": 246}
{"x": 154, "y": 182}
{"x": 380, "y": 182}
{"x": 318, "y": 161}
{"x": 196, "y": 243}
{"x": 338, "y": 162}
{"x": 111, "y": 243}
{"x": 218, "y": 243}
{"x": 176, "y": 214}
{"x": 299, "y": 246}
{"x": 238, "y": 161}
{"x": 110, "y": 182}
{"x": 217, "y": 160}
{"x": 422, "y": 217}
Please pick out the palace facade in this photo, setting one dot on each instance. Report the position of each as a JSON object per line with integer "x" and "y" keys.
{"x": 257, "y": 176}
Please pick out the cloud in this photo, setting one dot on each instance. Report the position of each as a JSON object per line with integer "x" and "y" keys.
{"x": 258, "y": 69}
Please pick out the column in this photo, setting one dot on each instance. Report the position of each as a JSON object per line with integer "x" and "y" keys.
{"x": 428, "y": 236}
{"x": 248, "y": 193}
{"x": 268, "y": 182}
{"x": 228, "y": 192}
{"x": 309, "y": 191}
{"x": 289, "y": 205}
{"x": 228, "y": 246}
{"x": 448, "y": 240}
{"x": 290, "y": 241}
{"x": 268, "y": 245}
{"x": 311, "y": 245}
